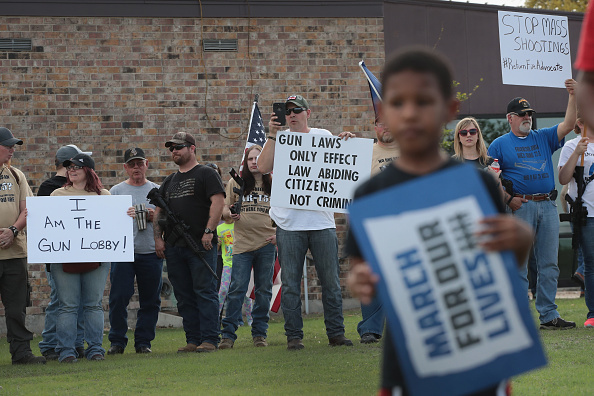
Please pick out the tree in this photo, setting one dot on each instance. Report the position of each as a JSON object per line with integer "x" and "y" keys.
{"x": 561, "y": 5}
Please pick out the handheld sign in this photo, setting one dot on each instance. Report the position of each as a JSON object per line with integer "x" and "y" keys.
{"x": 318, "y": 172}
{"x": 79, "y": 229}
{"x": 458, "y": 315}
{"x": 535, "y": 49}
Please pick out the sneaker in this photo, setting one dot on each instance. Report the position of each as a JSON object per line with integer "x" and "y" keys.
{"x": 340, "y": 341}
{"x": 260, "y": 342}
{"x": 30, "y": 359}
{"x": 227, "y": 343}
{"x": 295, "y": 344}
{"x": 557, "y": 324}
{"x": 97, "y": 357}
{"x": 369, "y": 338}
{"x": 143, "y": 349}
{"x": 115, "y": 350}
{"x": 206, "y": 347}
{"x": 69, "y": 359}
{"x": 188, "y": 348}
{"x": 50, "y": 354}
{"x": 589, "y": 323}
{"x": 579, "y": 279}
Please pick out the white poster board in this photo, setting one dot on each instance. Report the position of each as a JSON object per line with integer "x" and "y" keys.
{"x": 318, "y": 172}
{"x": 535, "y": 49}
{"x": 79, "y": 229}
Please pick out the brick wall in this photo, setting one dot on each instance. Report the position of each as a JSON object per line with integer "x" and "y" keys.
{"x": 107, "y": 84}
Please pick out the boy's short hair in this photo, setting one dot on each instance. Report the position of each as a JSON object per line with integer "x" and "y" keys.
{"x": 421, "y": 60}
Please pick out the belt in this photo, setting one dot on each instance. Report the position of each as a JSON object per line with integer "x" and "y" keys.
{"x": 534, "y": 197}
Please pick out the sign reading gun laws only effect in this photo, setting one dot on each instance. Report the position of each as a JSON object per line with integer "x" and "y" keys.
{"x": 79, "y": 229}
{"x": 318, "y": 172}
{"x": 534, "y": 49}
{"x": 458, "y": 315}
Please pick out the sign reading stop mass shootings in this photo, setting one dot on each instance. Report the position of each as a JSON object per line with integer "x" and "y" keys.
{"x": 458, "y": 316}
{"x": 79, "y": 229}
{"x": 535, "y": 49}
{"x": 318, "y": 172}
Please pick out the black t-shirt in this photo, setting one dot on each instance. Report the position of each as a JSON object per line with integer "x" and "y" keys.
{"x": 391, "y": 372}
{"x": 51, "y": 184}
{"x": 188, "y": 195}
{"x": 479, "y": 163}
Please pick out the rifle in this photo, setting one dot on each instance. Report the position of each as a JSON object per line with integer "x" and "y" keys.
{"x": 236, "y": 208}
{"x": 179, "y": 227}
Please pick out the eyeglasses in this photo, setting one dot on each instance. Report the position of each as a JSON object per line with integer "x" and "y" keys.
{"x": 9, "y": 147}
{"x": 522, "y": 114}
{"x": 73, "y": 167}
{"x": 295, "y": 110}
{"x": 178, "y": 147}
{"x": 464, "y": 132}
{"x": 135, "y": 164}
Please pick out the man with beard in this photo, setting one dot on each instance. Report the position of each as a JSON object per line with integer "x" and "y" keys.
{"x": 195, "y": 194}
{"x": 525, "y": 158}
{"x": 385, "y": 150}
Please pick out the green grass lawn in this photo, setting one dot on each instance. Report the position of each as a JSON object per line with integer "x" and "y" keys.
{"x": 319, "y": 369}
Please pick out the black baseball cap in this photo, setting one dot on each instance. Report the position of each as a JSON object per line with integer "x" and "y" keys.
{"x": 181, "y": 138}
{"x": 7, "y": 138}
{"x": 81, "y": 160}
{"x": 519, "y": 105}
{"x": 133, "y": 153}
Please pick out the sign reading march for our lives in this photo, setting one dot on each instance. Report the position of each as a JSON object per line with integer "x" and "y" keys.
{"x": 79, "y": 229}
{"x": 535, "y": 49}
{"x": 458, "y": 315}
{"x": 318, "y": 172}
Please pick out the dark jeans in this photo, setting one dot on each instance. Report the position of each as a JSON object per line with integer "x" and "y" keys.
{"x": 196, "y": 292}
{"x": 148, "y": 270}
{"x": 13, "y": 292}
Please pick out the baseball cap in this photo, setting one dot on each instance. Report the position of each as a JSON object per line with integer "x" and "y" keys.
{"x": 66, "y": 152}
{"x": 297, "y": 100}
{"x": 133, "y": 153}
{"x": 518, "y": 105}
{"x": 7, "y": 138}
{"x": 81, "y": 160}
{"x": 181, "y": 138}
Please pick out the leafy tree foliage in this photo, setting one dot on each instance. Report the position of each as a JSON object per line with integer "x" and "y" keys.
{"x": 561, "y": 5}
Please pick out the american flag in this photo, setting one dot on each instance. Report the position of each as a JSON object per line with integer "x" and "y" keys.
{"x": 276, "y": 287}
{"x": 375, "y": 88}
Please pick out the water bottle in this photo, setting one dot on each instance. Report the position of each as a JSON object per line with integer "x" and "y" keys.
{"x": 495, "y": 167}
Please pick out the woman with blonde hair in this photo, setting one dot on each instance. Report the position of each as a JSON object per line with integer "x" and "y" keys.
{"x": 469, "y": 145}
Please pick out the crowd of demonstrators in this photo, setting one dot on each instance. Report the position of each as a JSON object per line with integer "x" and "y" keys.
{"x": 469, "y": 145}
{"x": 195, "y": 194}
{"x": 147, "y": 267}
{"x": 253, "y": 248}
{"x": 49, "y": 339}
{"x": 299, "y": 230}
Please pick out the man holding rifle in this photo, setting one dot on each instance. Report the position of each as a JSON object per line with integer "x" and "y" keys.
{"x": 195, "y": 196}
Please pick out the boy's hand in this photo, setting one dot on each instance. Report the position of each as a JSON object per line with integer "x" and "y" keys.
{"x": 505, "y": 232}
{"x": 361, "y": 281}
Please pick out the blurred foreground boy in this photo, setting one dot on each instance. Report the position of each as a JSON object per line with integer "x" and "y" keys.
{"x": 418, "y": 102}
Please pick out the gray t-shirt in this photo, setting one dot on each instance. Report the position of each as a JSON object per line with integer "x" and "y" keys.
{"x": 144, "y": 242}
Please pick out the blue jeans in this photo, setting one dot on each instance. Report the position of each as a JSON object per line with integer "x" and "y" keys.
{"x": 543, "y": 218}
{"x": 49, "y": 338}
{"x": 292, "y": 247}
{"x": 196, "y": 292}
{"x": 373, "y": 318}
{"x": 73, "y": 291}
{"x": 148, "y": 270}
{"x": 587, "y": 245}
{"x": 263, "y": 262}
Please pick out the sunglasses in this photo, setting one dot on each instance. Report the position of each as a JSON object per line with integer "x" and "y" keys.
{"x": 178, "y": 147}
{"x": 135, "y": 164}
{"x": 523, "y": 113}
{"x": 73, "y": 167}
{"x": 295, "y": 110}
{"x": 464, "y": 132}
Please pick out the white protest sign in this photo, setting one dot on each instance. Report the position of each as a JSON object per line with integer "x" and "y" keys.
{"x": 535, "y": 49}
{"x": 457, "y": 300}
{"x": 79, "y": 229}
{"x": 318, "y": 172}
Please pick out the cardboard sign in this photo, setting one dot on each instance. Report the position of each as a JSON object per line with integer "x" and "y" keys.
{"x": 458, "y": 315}
{"x": 79, "y": 229}
{"x": 535, "y": 49}
{"x": 318, "y": 172}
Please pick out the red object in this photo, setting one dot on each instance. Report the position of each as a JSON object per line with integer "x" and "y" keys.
{"x": 276, "y": 287}
{"x": 585, "y": 57}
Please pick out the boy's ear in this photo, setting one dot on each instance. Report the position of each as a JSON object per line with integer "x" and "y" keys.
{"x": 453, "y": 107}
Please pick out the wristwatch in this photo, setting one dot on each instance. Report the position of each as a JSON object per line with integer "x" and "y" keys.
{"x": 208, "y": 231}
{"x": 14, "y": 230}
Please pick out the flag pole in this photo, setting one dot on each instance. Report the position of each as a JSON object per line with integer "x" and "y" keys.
{"x": 369, "y": 81}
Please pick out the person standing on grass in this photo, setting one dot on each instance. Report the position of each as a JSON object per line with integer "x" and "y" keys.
{"x": 195, "y": 194}
{"x": 418, "y": 101}
{"x": 253, "y": 247}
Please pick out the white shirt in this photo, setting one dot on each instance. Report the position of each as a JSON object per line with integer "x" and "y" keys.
{"x": 566, "y": 152}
